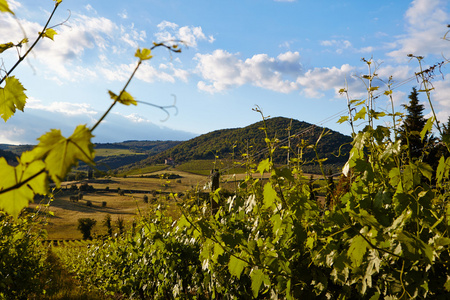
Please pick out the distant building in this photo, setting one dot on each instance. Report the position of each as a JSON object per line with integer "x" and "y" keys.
{"x": 169, "y": 161}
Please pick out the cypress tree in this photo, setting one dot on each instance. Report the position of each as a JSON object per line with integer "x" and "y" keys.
{"x": 413, "y": 125}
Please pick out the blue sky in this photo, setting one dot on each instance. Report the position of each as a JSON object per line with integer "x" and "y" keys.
{"x": 288, "y": 57}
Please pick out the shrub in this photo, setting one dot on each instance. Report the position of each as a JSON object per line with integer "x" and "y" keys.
{"x": 85, "y": 225}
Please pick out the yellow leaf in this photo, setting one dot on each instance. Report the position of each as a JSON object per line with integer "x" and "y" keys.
{"x": 144, "y": 54}
{"x": 60, "y": 153}
{"x": 12, "y": 96}
{"x": 49, "y": 33}
{"x": 125, "y": 98}
{"x": 26, "y": 180}
{"x": 4, "y": 7}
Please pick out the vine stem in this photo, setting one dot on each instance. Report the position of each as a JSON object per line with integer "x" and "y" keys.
{"x": 19, "y": 184}
{"x": 117, "y": 99}
{"x": 21, "y": 58}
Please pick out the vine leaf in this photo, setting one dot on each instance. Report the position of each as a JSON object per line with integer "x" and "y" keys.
{"x": 270, "y": 195}
{"x": 4, "y": 7}
{"x": 12, "y": 97}
{"x": 6, "y": 46}
{"x": 257, "y": 277}
{"x": 361, "y": 114}
{"x": 15, "y": 200}
{"x": 357, "y": 250}
{"x": 144, "y": 54}
{"x": 428, "y": 126}
{"x": 61, "y": 153}
{"x": 49, "y": 33}
{"x": 125, "y": 98}
{"x": 236, "y": 266}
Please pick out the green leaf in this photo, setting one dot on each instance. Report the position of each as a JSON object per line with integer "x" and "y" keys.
{"x": 6, "y": 46}
{"x": 61, "y": 153}
{"x": 264, "y": 166}
{"x": 144, "y": 54}
{"x": 270, "y": 195}
{"x": 29, "y": 178}
{"x": 440, "y": 169}
{"x": 4, "y": 7}
{"x": 425, "y": 169}
{"x": 125, "y": 98}
{"x": 257, "y": 277}
{"x": 357, "y": 250}
{"x": 12, "y": 97}
{"x": 447, "y": 284}
{"x": 360, "y": 114}
{"x": 427, "y": 128}
{"x": 236, "y": 266}
{"x": 342, "y": 119}
{"x": 49, "y": 33}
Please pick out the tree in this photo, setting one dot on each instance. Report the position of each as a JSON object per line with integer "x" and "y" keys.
{"x": 413, "y": 125}
{"x": 85, "y": 225}
{"x": 107, "y": 222}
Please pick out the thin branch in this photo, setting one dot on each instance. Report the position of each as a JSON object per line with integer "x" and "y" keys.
{"x": 21, "y": 58}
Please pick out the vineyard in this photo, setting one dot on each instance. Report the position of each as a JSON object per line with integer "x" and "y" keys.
{"x": 382, "y": 233}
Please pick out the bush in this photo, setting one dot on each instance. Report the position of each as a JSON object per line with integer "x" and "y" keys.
{"x": 85, "y": 225}
{"x": 145, "y": 199}
{"x": 22, "y": 258}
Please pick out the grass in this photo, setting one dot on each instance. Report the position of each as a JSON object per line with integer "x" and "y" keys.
{"x": 145, "y": 170}
{"x": 204, "y": 167}
{"x": 114, "y": 152}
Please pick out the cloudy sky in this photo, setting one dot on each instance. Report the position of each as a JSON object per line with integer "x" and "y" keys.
{"x": 288, "y": 57}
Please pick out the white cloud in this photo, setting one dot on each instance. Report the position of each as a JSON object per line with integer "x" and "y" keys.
{"x": 147, "y": 72}
{"x": 65, "y": 108}
{"x": 398, "y": 72}
{"x": 340, "y": 45}
{"x": 131, "y": 36}
{"x": 135, "y": 118}
{"x": 190, "y": 35}
{"x": 425, "y": 26}
{"x": 13, "y": 4}
{"x": 324, "y": 79}
{"x": 123, "y": 14}
{"x": 222, "y": 70}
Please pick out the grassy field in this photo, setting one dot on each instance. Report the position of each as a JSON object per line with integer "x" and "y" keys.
{"x": 63, "y": 225}
{"x": 204, "y": 167}
{"x": 114, "y": 152}
{"x": 145, "y": 170}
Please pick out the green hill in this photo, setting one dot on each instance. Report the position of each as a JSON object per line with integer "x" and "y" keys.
{"x": 227, "y": 143}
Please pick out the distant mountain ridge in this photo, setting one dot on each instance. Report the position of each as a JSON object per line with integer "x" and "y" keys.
{"x": 223, "y": 143}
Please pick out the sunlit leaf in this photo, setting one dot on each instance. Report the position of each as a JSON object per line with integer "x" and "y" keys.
{"x": 257, "y": 277}
{"x": 29, "y": 179}
{"x": 264, "y": 166}
{"x": 357, "y": 249}
{"x": 12, "y": 97}
{"x": 49, "y": 33}
{"x": 61, "y": 153}
{"x": 144, "y": 54}
{"x": 6, "y": 46}
{"x": 426, "y": 128}
{"x": 4, "y": 7}
{"x": 125, "y": 98}
{"x": 361, "y": 114}
{"x": 342, "y": 119}
{"x": 236, "y": 266}
{"x": 270, "y": 195}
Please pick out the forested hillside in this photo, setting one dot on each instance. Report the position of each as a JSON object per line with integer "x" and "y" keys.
{"x": 228, "y": 142}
